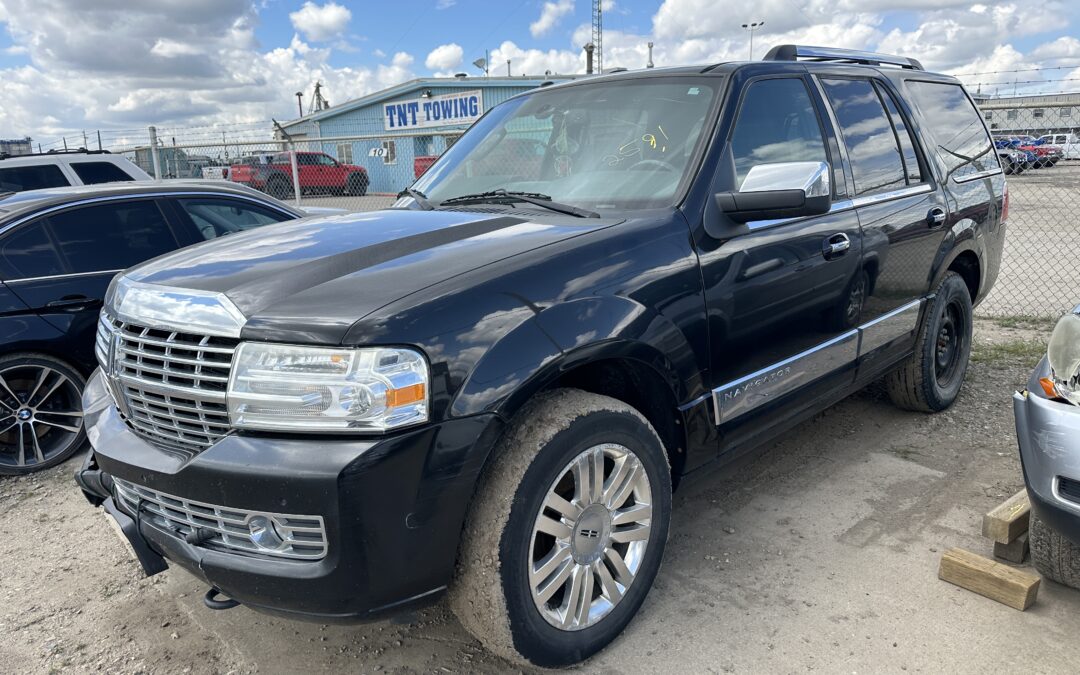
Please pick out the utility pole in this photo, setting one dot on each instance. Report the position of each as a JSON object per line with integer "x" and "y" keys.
{"x": 650, "y": 63}
{"x": 598, "y": 34}
{"x": 753, "y": 26}
{"x": 508, "y": 68}
{"x": 300, "y": 102}
{"x": 99, "y": 140}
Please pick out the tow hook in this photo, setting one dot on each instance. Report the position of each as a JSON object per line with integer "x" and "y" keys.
{"x": 215, "y": 599}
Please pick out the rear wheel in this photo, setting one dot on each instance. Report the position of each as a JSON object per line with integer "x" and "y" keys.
{"x": 931, "y": 378}
{"x": 357, "y": 185}
{"x": 40, "y": 413}
{"x": 1053, "y": 555}
{"x": 566, "y": 532}
{"x": 279, "y": 187}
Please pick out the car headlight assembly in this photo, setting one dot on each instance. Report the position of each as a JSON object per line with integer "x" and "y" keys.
{"x": 1063, "y": 353}
{"x": 292, "y": 388}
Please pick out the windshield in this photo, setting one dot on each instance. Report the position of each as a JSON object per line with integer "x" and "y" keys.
{"x": 620, "y": 144}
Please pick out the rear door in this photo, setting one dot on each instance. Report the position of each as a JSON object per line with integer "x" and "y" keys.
{"x": 66, "y": 260}
{"x": 903, "y": 213}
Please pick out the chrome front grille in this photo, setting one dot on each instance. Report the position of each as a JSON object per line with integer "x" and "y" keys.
{"x": 235, "y": 530}
{"x": 170, "y": 386}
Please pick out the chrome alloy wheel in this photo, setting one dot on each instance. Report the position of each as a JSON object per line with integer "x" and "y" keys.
{"x": 589, "y": 538}
{"x": 40, "y": 415}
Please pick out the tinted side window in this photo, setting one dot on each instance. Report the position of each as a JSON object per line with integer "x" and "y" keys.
{"x": 957, "y": 129}
{"x": 112, "y": 236}
{"x": 99, "y": 172}
{"x": 218, "y": 217}
{"x": 28, "y": 252}
{"x": 907, "y": 144}
{"x": 777, "y": 123}
{"x": 866, "y": 130}
{"x": 19, "y": 178}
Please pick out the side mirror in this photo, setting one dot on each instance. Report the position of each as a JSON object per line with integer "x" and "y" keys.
{"x": 780, "y": 190}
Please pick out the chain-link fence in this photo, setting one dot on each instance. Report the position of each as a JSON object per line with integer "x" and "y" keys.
{"x": 356, "y": 172}
{"x": 1039, "y": 147}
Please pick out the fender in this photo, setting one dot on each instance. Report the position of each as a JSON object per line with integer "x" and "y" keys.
{"x": 962, "y": 237}
{"x": 568, "y": 334}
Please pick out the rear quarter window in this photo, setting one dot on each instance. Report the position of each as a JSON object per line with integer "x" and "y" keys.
{"x": 19, "y": 178}
{"x": 91, "y": 173}
{"x": 958, "y": 135}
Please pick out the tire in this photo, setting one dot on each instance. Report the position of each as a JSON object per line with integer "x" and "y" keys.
{"x": 357, "y": 185}
{"x": 40, "y": 413}
{"x": 504, "y": 543}
{"x": 931, "y": 378}
{"x": 1055, "y": 557}
{"x": 847, "y": 311}
{"x": 279, "y": 187}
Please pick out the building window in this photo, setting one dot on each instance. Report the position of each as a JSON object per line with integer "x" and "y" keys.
{"x": 1066, "y": 112}
{"x": 988, "y": 115}
{"x": 344, "y": 153}
{"x": 1010, "y": 115}
{"x": 1036, "y": 112}
{"x": 389, "y": 152}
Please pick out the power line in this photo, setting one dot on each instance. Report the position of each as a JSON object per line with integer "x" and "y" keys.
{"x": 1019, "y": 70}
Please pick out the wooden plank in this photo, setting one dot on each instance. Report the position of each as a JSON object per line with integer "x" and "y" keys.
{"x": 1015, "y": 551}
{"x": 1007, "y": 585}
{"x": 1008, "y": 520}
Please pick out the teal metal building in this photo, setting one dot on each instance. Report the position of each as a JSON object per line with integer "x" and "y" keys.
{"x": 387, "y": 131}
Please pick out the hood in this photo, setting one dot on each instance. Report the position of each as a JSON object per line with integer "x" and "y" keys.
{"x": 309, "y": 280}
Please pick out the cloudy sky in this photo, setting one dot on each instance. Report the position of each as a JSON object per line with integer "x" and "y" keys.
{"x": 114, "y": 65}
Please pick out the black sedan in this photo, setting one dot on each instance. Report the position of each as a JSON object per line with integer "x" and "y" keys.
{"x": 59, "y": 249}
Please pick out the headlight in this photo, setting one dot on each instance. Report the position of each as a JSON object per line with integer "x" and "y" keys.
{"x": 288, "y": 388}
{"x": 1064, "y": 357}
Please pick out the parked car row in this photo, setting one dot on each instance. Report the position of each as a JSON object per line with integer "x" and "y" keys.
{"x": 1020, "y": 153}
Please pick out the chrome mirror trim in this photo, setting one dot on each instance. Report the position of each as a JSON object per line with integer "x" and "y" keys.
{"x": 810, "y": 177}
{"x": 176, "y": 309}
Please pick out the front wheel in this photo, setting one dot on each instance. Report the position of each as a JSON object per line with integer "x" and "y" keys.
{"x": 930, "y": 380}
{"x": 357, "y": 185}
{"x": 41, "y": 421}
{"x": 566, "y": 532}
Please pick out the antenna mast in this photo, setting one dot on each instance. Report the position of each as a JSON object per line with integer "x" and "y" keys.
{"x": 598, "y": 34}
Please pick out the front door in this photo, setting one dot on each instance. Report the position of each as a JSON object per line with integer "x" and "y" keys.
{"x": 783, "y": 298}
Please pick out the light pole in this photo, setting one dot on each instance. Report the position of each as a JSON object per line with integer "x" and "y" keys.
{"x": 752, "y": 27}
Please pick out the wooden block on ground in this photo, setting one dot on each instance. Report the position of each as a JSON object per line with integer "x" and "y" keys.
{"x": 1007, "y": 585}
{"x": 1008, "y": 520}
{"x": 1015, "y": 551}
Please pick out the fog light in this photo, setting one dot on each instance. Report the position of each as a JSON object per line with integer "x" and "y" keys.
{"x": 264, "y": 534}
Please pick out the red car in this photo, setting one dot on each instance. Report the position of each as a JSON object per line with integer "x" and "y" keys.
{"x": 319, "y": 172}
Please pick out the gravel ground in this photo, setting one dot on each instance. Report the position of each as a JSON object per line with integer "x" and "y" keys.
{"x": 818, "y": 553}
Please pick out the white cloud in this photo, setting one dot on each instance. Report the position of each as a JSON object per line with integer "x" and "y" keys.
{"x": 445, "y": 57}
{"x": 535, "y": 61}
{"x": 445, "y": 4}
{"x": 320, "y": 23}
{"x": 550, "y": 16}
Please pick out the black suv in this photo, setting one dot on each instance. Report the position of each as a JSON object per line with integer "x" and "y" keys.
{"x": 493, "y": 388}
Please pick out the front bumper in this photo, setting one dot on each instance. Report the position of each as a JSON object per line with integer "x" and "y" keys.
{"x": 393, "y": 508}
{"x": 1049, "y": 436}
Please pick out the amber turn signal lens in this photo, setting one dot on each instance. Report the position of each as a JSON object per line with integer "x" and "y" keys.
{"x": 1048, "y": 387}
{"x": 405, "y": 395}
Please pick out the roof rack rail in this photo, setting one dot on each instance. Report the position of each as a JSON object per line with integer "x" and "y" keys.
{"x": 47, "y": 153}
{"x": 825, "y": 54}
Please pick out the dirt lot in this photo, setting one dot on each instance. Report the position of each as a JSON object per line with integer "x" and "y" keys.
{"x": 818, "y": 553}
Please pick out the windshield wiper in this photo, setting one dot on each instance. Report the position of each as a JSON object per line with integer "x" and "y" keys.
{"x": 419, "y": 197}
{"x": 501, "y": 196}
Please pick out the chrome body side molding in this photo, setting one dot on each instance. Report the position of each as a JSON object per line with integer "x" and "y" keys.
{"x": 738, "y": 397}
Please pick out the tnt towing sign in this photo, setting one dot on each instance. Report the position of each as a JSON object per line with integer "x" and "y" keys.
{"x": 461, "y": 108}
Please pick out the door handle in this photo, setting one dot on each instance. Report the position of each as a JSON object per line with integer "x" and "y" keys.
{"x": 936, "y": 217}
{"x": 72, "y": 302}
{"x": 835, "y": 246}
